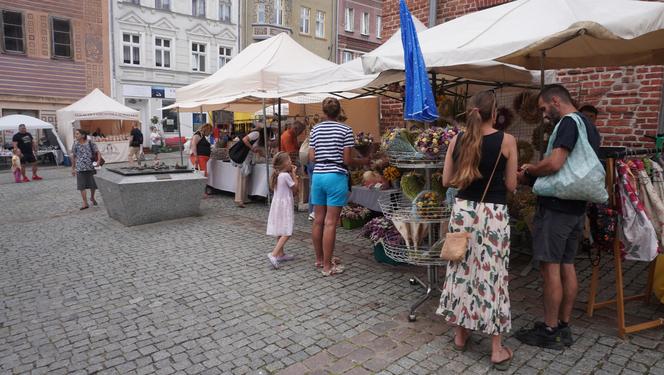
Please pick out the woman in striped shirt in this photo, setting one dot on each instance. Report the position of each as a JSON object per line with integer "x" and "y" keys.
{"x": 330, "y": 147}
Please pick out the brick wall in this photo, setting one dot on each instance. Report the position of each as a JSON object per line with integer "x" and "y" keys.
{"x": 628, "y": 98}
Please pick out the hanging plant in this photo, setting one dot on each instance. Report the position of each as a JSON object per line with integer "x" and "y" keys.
{"x": 504, "y": 118}
{"x": 525, "y": 104}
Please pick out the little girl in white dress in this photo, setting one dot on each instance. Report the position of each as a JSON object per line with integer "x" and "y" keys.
{"x": 284, "y": 183}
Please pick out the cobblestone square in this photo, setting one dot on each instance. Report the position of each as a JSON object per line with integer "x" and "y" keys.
{"x": 82, "y": 294}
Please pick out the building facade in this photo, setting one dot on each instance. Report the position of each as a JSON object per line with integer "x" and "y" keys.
{"x": 360, "y": 25}
{"x": 312, "y": 23}
{"x": 52, "y": 53}
{"x": 629, "y": 99}
{"x": 161, "y": 45}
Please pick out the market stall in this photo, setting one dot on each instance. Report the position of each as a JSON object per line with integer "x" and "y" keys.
{"x": 562, "y": 34}
{"x": 48, "y": 141}
{"x": 106, "y": 120}
{"x": 222, "y": 176}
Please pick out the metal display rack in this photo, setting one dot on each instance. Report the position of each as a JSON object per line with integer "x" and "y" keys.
{"x": 424, "y": 227}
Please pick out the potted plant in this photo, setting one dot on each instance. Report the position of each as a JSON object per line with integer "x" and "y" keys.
{"x": 354, "y": 216}
{"x": 381, "y": 230}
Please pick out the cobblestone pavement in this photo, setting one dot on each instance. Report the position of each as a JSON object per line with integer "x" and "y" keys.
{"x": 80, "y": 293}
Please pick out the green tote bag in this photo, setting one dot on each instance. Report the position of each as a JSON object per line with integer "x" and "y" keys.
{"x": 581, "y": 177}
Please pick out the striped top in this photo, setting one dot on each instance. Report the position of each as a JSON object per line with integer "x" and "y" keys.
{"x": 328, "y": 139}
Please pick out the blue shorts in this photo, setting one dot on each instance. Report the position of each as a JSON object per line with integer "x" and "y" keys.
{"x": 329, "y": 189}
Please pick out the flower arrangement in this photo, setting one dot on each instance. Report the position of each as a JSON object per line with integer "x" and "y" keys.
{"x": 355, "y": 212}
{"x": 381, "y": 229}
{"x": 433, "y": 142}
{"x": 504, "y": 118}
{"x": 391, "y": 173}
{"x": 364, "y": 139}
{"x": 426, "y": 202}
{"x": 397, "y": 140}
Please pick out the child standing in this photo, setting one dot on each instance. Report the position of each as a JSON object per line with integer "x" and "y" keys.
{"x": 16, "y": 165}
{"x": 284, "y": 183}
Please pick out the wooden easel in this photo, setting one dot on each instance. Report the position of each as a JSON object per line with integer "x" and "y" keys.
{"x": 620, "y": 299}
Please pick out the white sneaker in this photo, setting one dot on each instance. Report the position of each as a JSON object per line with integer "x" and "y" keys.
{"x": 311, "y": 217}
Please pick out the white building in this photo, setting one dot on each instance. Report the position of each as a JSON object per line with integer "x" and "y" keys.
{"x": 160, "y": 45}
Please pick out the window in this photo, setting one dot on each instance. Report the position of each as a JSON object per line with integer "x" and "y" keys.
{"x": 131, "y": 49}
{"x": 224, "y": 11}
{"x": 260, "y": 13}
{"x": 61, "y": 37}
{"x": 198, "y": 57}
{"x": 379, "y": 26}
{"x": 163, "y": 4}
{"x": 224, "y": 56}
{"x": 12, "y": 32}
{"x": 137, "y": 2}
{"x": 169, "y": 117}
{"x": 162, "y": 53}
{"x": 305, "y": 14}
{"x": 320, "y": 24}
{"x": 346, "y": 57}
{"x": 278, "y": 12}
{"x": 364, "y": 29}
{"x": 198, "y": 8}
{"x": 350, "y": 19}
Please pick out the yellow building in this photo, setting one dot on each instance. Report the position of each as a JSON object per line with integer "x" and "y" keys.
{"x": 312, "y": 23}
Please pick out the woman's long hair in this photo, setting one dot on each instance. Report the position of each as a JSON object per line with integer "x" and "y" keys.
{"x": 278, "y": 166}
{"x": 467, "y": 163}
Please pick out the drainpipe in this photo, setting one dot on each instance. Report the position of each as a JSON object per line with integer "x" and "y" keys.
{"x": 433, "y": 7}
{"x": 111, "y": 21}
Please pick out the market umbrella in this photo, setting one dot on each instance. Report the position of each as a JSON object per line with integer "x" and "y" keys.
{"x": 420, "y": 104}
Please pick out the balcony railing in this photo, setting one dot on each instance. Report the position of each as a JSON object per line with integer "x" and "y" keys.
{"x": 264, "y": 31}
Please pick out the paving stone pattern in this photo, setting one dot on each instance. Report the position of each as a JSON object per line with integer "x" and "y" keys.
{"x": 83, "y": 294}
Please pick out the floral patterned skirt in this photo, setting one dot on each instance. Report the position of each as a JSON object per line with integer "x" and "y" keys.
{"x": 475, "y": 295}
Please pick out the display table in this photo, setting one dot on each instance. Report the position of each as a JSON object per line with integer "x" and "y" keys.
{"x": 367, "y": 197}
{"x": 114, "y": 151}
{"x": 58, "y": 156}
{"x": 222, "y": 175}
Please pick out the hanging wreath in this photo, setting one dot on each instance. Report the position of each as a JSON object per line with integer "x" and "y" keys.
{"x": 541, "y": 132}
{"x": 525, "y": 151}
{"x": 525, "y": 104}
{"x": 445, "y": 106}
{"x": 503, "y": 118}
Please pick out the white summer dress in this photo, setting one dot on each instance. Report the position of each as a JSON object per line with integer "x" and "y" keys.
{"x": 280, "y": 221}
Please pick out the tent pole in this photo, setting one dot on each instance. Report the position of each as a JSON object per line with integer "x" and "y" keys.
{"x": 279, "y": 122}
{"x": 267, "y": 153}
{"x": 541, "y": 138}
{"x": 180, "y": 137}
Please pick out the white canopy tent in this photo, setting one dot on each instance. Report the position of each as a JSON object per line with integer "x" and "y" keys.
{"x": 94, "y": 106}
{"x": 11, "y": 123}
{"x": 351, "y": 76}
{"x": 568, "y": 33}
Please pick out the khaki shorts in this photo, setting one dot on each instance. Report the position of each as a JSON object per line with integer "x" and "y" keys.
{"x": 133, "y": 153}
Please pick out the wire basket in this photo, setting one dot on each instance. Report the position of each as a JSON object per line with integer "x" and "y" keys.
{"x": 420, "y": 256}
{"x": 397, "y": 207}
{"x": 414, "y": 160}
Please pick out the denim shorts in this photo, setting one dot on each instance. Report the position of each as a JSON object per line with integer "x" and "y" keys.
{"x": 329, "y": 189}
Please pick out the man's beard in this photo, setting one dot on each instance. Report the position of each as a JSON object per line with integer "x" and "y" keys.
{"x": 553, "y": 116}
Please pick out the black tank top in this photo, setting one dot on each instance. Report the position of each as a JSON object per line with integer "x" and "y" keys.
{"x": 497, "y": 193}
{"x": 203, "y": 147}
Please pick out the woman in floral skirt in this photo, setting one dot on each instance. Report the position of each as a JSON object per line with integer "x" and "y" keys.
{"x": 482, "y": 163}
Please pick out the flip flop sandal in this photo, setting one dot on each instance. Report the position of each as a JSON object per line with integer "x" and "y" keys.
{"x": 94, "y": 202}
{"x": 504, "y": 365}
{"x": 336, "y": 261}
{"x": 462, "y": 348}
{"x": 84, "y": 208}
{"x": 335, "y": 270}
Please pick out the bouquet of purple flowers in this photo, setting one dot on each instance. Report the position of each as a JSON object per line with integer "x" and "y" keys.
{"x": 363, "y": 139}
{"x": 381, "y": 229}
{"x": 433, "y": 142}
